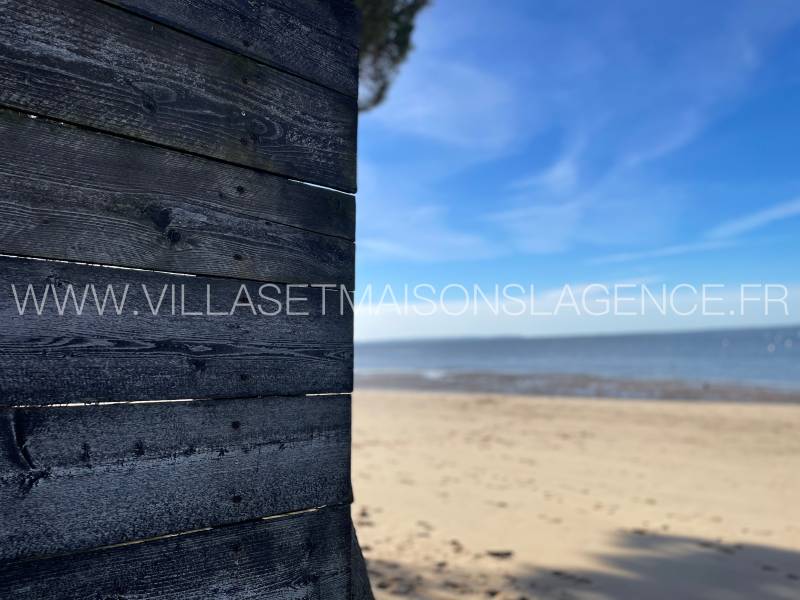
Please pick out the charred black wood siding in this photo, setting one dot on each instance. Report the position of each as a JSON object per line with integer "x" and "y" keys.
{"x": 166, "y": 150}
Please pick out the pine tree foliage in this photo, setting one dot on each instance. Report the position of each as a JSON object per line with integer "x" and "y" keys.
{"x": 386, "y": 31}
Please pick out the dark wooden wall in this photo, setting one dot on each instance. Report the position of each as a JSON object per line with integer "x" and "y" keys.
{"x": 171, "y": 144}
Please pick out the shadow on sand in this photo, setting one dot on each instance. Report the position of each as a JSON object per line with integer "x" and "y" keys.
{"x": 643, "y": 566}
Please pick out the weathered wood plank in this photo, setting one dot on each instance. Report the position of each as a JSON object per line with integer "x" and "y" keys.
{"x": 129, "y": 167}
{"x": 75, "y": 478}
{"x": 305, "y": 555}
{"x": 103, "y": 199}
{"x": 284, "y": 343}
{"x": 315, "y": 39}
{"x": 360, "y": 588}
{"x": 96, "y": 65}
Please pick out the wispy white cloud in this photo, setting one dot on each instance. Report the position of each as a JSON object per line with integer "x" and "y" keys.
{"x": 561, "y": 177}
{"x": 399, "y": 219}
{"x": 662, "y": 252}
{"x": 541, "y": 229}
{"x": 724, "y": 235}
{"x": 611, "y": 81}
{"x": 632, "y": 97}
{"x": 452, "y": 103}
{"x": 680, "y": 130}
{"x": 756, "y": 220}
{"x": 621, "y": 210}
{"x": 425, "y": 236}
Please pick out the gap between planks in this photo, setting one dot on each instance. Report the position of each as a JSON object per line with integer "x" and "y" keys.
{"x": 37, "y": 115}
{"x": 90, "y": 403}
{"x": 328, "y": 286}
{"x": 180, "y": 533}
{"x": 264, "y": 63}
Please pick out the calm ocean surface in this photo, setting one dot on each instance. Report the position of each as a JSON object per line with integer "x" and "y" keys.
{"x": 700, "y": 364}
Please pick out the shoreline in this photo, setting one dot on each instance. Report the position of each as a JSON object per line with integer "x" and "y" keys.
{"x": 479, "y": 495}
{"x": 573, "y": 385}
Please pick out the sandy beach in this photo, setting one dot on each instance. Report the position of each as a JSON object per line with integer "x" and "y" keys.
{"x": 513, "y": 497}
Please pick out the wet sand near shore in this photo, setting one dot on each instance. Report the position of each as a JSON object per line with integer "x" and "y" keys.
{"x": 484, "y": 495}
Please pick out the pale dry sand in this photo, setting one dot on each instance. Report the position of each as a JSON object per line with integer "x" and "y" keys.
{"x": 479, "y": 496}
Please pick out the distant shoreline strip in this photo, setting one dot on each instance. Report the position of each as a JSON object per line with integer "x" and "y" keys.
{"x": 572, "y": 385}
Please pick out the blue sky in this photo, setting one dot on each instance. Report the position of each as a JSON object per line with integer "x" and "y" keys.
{"x": 573, "y": 142}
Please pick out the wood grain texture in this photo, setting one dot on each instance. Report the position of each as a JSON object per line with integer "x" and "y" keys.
{"x": 305, "y": 555}
{"x": 93, "y": 64}
{"x": 315, "y": 39}
{"x": 75, "y": 478}
{"x": 137, "y": 355}
{"x": 360, "y": 588}
{"x": 98, "y": 198}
